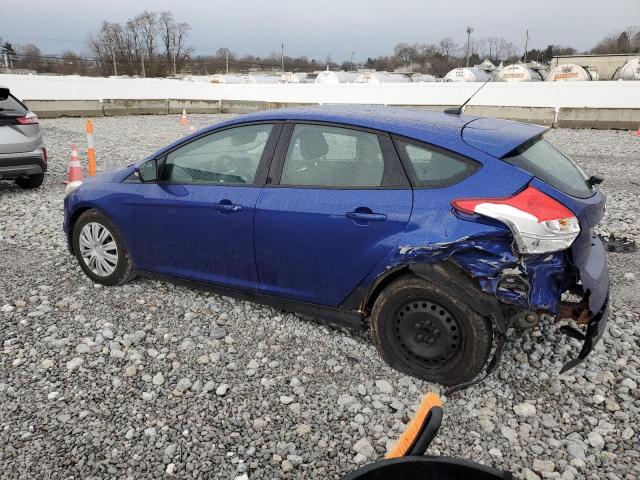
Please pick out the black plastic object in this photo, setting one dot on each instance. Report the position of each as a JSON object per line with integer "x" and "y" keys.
{"x": 427, "y": 468}
{"x": 427, "y": 433}
{"x": 415, "y": 466}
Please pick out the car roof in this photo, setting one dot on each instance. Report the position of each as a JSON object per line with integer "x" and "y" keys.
{"x": 493, "y": 136}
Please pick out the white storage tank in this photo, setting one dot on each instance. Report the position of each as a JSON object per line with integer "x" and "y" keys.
{"x": 521, "y": 73}
{"x": 289, "y": 77}
{"x": 253, "y": 79}
{"x": 225, "y": 78}
{"x": 382, "y": 77}
{"x": 467, "y": 74}
{"x": 332, "y": 78}
{"x": 570, "y": 72}
{"x": 423, "y": 78}
{"x": 629, "y": 71}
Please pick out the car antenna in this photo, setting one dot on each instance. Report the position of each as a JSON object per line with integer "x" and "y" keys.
{"x": 458, "y": 110}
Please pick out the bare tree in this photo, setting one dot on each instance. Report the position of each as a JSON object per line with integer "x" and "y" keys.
{"x": 448, "y": 47}
{"x": 30, "y": 58}
{"x": 173, "y": 36}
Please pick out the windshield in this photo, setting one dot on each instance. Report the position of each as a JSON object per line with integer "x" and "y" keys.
{"x": 542, "y": 159}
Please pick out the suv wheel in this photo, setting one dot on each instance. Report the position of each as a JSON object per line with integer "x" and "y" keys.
{"x": 32, "y": 181}
{"x": 422, "y": 330}
{"x": 100, "y": 249}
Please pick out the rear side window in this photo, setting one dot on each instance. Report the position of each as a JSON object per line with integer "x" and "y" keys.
{"x": 11, "y": 106}
{"x": 542, "y": 159}
{"x": 432, "y": 167}
{"x": 327, "y": 156}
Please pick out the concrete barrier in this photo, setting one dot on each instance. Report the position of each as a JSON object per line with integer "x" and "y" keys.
{"x": 601, "y": 118}
{"x": 65, "y": 108}
{"x": 135, "y": 107}
{"x": 538, "y": 115}
{"x": 194, "y": 106}
{"x": 241, "y": 106}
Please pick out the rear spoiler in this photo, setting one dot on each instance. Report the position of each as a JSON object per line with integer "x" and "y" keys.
{"x": 4, "y": 93}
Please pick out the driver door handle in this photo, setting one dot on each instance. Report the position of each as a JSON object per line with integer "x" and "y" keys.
{"x": 227, "y": 207}
{"x": 366, "y": 216}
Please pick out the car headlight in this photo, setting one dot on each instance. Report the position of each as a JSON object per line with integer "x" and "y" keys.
{"x": 72, "y": 187}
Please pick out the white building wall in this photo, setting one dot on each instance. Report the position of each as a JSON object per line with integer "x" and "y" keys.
{"x": 526, "y": 94}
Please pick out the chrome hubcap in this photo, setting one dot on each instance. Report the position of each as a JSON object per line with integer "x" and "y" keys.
{"x": 98, "y": 249}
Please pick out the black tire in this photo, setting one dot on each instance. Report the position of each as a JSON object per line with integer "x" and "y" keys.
{"x": 422, "y": 330}
{"x": 32, "y": 181}
{"x": 123, "y": 271}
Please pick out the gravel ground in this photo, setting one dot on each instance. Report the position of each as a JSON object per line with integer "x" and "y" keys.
{"x": 152, "y": 380}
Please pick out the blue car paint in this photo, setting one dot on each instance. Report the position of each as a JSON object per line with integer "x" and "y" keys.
{"x": 306, "y": 249}
{"x": 496, "y": 137}
{"x": 198, "y": 242}
{"x": 431, "y": 233}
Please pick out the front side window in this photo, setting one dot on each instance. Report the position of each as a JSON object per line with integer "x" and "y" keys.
{"x": 432, "y": 167}
{"x": 325, "y": 156}
{"x": 230, "y": 156}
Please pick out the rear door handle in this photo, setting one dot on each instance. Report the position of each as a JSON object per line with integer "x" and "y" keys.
{"x": 225, "y": 207}
{"x": 366, "y": 217}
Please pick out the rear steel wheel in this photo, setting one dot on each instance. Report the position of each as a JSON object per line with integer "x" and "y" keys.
{"x": 427, "y": 332}
{"x": 423, "y": 330}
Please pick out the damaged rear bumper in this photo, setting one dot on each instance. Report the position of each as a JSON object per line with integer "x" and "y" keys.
{"x": 590, "y": 259}
{"x": 595, "y": 329}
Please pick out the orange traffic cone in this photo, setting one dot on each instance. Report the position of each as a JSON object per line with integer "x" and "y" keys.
{"x": 75, "y": 169}
{"x": 184, "y": 121}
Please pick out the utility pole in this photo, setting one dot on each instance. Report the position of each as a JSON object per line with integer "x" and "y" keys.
{"x": 144, "y": 74}
{"x": 469, "y": 30}
{"x": 526, "y": 44}
{"x": 282, "y": 56}
{"x": 113, "y": 56}
{"x": 174, "y": 63}
{"x": 226, "y": 58}
{"x": 352, "y": 66}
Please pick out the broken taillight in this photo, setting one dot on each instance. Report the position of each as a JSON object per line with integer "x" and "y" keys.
{"x": 539, "y": 223}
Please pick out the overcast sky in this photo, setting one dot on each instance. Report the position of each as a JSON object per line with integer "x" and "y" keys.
{"x": 318, "y": 28}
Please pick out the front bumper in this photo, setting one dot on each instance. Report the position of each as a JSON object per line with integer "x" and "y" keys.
{"x": 15, "y": 165}
{"x": 595, "y": 329}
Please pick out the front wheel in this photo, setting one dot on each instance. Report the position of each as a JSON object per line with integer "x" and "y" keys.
{"x": 100, "y": 249}
{"x": 422, "y": 330}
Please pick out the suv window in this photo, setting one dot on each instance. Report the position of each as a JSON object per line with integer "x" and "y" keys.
{"x": 230, "y": 156}
{"x": 550, "y": 165}
{"x": 11, "y": 106}
{"x": 433, "y": 167}
{"x": 320, "y": 155}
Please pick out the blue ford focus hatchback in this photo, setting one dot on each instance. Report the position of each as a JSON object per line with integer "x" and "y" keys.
{"x": 437, "y": 230}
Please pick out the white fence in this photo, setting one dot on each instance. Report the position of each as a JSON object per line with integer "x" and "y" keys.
{"x": 610, "y": 94}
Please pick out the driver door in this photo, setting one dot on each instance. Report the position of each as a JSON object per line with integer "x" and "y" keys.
{"x": 196, "y": 221}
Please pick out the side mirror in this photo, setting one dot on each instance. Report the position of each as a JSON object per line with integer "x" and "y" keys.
{"x": 148, "y": 171}
{"x": 4, "y": 93}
